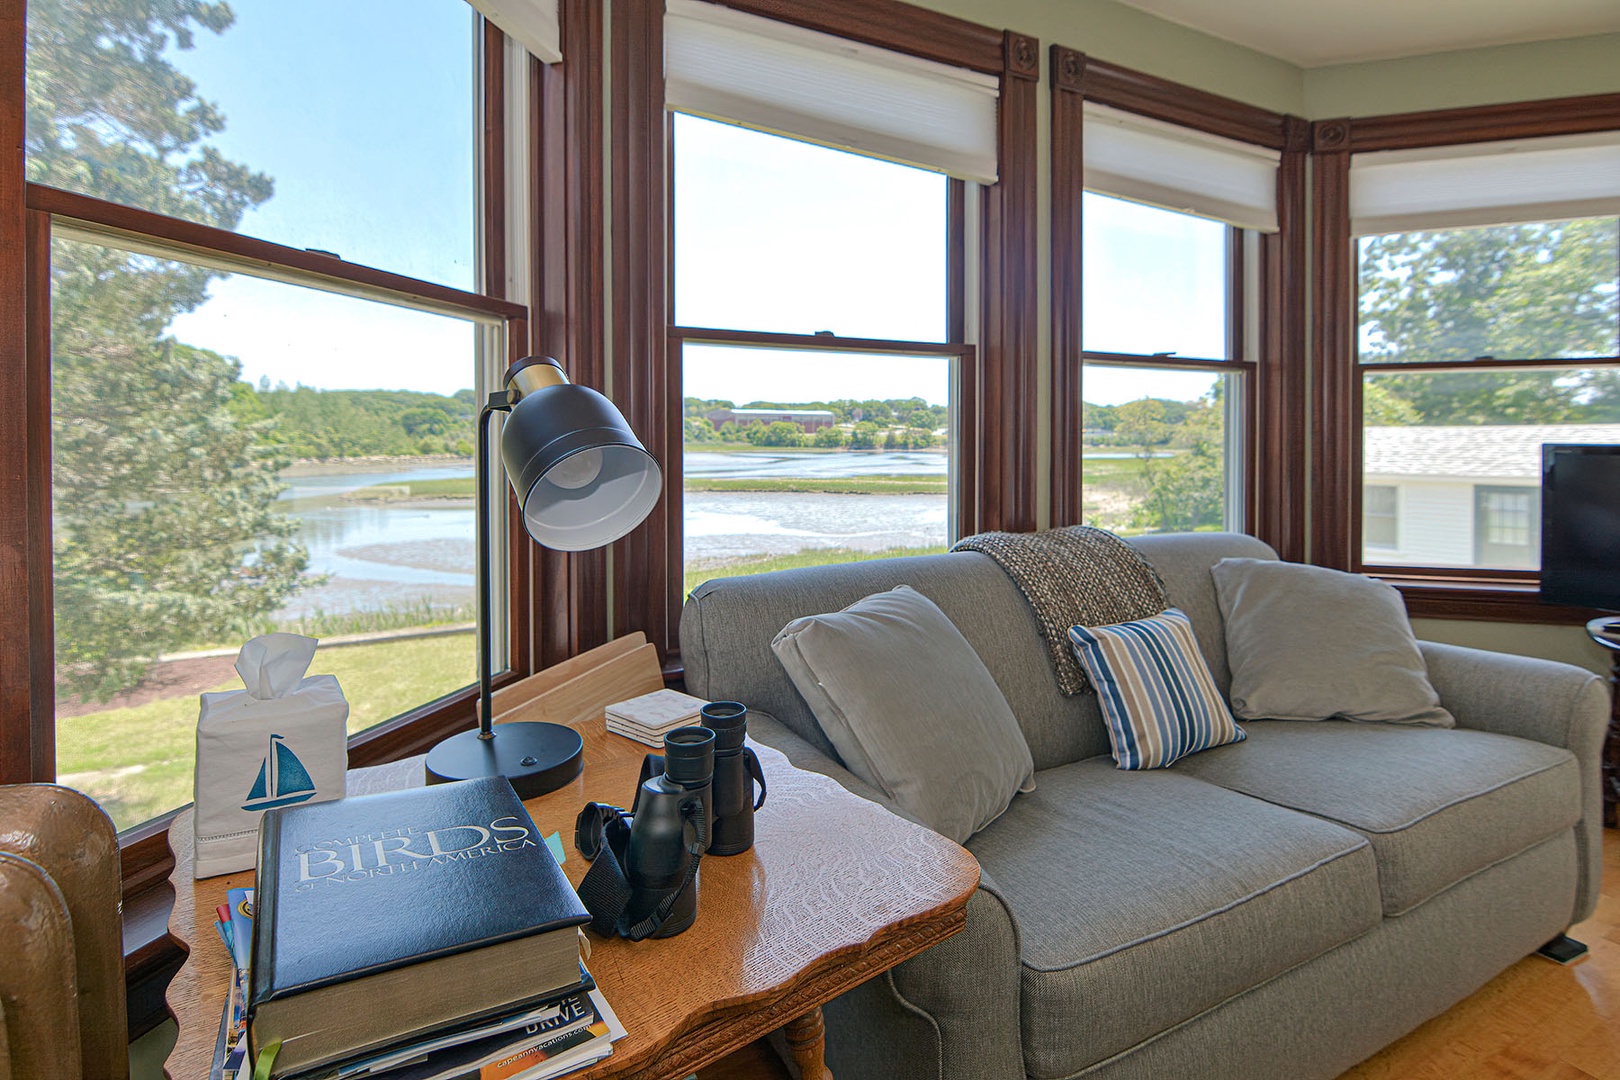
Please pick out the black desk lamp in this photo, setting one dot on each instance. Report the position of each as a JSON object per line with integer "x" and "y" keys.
{"x": 582, "y": 480}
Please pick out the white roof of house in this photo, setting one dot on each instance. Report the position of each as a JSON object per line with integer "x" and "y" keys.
{"x": 1478, "y": 451}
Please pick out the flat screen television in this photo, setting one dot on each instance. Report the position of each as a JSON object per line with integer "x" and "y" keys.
{"x": 1580, "y": 525}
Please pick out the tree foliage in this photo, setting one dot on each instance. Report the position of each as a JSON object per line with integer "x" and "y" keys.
{"x": 1540, "y": 291}
{"x": 164, "y": 479}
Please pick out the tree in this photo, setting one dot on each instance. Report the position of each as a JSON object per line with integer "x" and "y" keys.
{"x": 1187, "y": 490}
{"x": 864, "y": 436}
{"x": 1540, "y": 291}
{"x": 163, "y": 481}
{"x": 1142, "y": 423}
{"x": 829, "y": 438}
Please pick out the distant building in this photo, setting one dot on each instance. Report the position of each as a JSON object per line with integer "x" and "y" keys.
{"x": 809, "y": 419}
{"x": 1460, "y": 496}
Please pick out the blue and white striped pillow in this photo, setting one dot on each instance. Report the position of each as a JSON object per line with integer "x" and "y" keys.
{"x": 1157, "y": 695}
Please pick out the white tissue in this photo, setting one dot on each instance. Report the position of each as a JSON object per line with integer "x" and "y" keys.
{"x": 273, "y": 665}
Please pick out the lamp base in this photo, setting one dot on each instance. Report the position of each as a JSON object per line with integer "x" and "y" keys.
{"x": 537, "y": 758}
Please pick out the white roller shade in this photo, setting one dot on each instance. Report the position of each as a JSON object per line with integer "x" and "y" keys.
{"x": 1147, "y": 161}
{"x": 1497, "y": 183}
{"x": 744, "y": 69}
{"x": 531, "y": 23}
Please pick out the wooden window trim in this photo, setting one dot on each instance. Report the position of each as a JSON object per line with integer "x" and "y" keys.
{"x": 569, "y": 589}
{"x": 1432, "y": 592}
{"x": 993, "y": 408}
{"x": 1275, "y": 397}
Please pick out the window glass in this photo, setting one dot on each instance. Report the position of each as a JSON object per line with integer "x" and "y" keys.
{"x": 1155, "y": 445}
{"x": 1512, "y": 292}
{"x": 803, "y": 459}
{"x": 779, "y": 235}
{"x": 1155, "y": 281}
{"x": 1380, "y": 515}
{"x": 1463, "y": 448}
{"x": 342, "y": 127}
{"x": 233, "y": 456}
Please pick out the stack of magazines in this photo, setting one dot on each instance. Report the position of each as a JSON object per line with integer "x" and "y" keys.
{"x": 648, "y": 718}
{"x": 548, "y": 1041}
{"x": 426, "y": 934}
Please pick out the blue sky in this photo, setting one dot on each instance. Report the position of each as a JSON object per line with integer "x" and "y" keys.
{"x": 367, "y": 129}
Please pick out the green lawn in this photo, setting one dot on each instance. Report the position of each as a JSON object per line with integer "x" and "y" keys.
{"x": 137, "y": 762}
{"x": 456, "y": 487}
{"x": 839, "y": 485}
{"x": 764, "y": 564}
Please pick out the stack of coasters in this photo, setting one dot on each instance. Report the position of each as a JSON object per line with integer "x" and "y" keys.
{"x": 648, "y": 718}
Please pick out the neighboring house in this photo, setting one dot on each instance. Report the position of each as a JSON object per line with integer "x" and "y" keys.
{"x": 809, "y": 419}
{"x": 1460, "y": 496}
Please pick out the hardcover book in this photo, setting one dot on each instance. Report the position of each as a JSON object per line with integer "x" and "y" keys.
{"x": 382, "y": 918}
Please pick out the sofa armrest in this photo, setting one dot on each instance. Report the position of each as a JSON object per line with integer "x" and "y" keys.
{"x": 778, "y": 736}
{"x": 1542, "y": 700}
{"x": 958, "y": 1003}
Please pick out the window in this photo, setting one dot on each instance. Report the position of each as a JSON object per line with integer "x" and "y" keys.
{"x": 796, "y": 456}
{"x": 1158, "y": 453}
{"x": 247, "y": 435}
{"x": 1174, "y": 261}
{"x": 1476, "y": 346}
{"x": 1380, "y": 516}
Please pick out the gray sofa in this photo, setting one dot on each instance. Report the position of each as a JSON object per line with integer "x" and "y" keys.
{"x": 1281, "y": 907}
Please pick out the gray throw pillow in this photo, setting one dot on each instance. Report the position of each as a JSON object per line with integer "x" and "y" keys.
{"x": 1308, "y": 643}
{"x": 910, "y": 708}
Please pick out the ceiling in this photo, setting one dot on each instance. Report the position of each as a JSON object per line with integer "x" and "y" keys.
{"x": 1315, "y": 33}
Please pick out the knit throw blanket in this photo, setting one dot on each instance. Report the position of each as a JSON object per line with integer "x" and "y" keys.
{"x": 1076, "y": 576}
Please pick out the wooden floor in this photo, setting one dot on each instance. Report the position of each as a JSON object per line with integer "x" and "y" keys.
{"x": 1535, "y": 1021}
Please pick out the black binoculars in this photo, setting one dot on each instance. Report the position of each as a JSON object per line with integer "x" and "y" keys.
{"x": 695, "y": 798}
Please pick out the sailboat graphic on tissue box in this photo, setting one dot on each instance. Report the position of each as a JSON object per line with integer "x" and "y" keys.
{"x": 280, "y": 740}
{"x": 282, "y": 781}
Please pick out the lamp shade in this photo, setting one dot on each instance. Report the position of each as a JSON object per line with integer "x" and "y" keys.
{"x": 581, "y": 476}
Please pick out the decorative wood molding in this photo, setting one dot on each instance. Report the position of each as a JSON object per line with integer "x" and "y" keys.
{"x": 1007, "y": 367}
{"x": 570, "y": 590}
{"x": 1330, "y": 136}
{"x": 645, "y": 383}
{"x": 1283, "y": 398}
{"x": 1068, "y": 275}
{"x": 1138, "y": 92}
{"x": 889, "y": 24}
{"x": 1484, "y": 603}
{"x": 1068, "y": 70}
{"x": 1484, "y": 123}
{"x": 1335, "y": 433}
{"x": 20, "y": 760}
{"x": 1022, "y": 58}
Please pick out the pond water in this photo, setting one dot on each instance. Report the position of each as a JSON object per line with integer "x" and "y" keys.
{"x": 378, "y": 555}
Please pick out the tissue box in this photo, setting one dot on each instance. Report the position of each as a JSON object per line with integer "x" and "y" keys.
{"x": 281, "y": 741}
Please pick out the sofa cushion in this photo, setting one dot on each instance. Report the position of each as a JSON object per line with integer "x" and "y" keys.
{"x": 1157, "y": 696}
{"x": 1144, "y": 898}
{"x": 1437, "y": 805}
{"x": 1309, "y": 643}
{"x": 911, "y": 708}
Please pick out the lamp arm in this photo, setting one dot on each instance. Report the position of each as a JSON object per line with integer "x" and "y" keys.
{"x": 486, "y": 718}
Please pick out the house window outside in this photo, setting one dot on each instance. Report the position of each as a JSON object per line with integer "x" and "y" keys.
{"x": 1507, "y": 526}
{"x": 233, "y": 454}
{"x": 798, "y": 455}
{"x": 1380, "y": 516}
{"x": 1164, "y": 384}
{"x": 1476, "y": 346}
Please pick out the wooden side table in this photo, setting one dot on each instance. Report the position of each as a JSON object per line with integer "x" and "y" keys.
{"x": 1606, "y": 632}
{"x": 835, "y": 891}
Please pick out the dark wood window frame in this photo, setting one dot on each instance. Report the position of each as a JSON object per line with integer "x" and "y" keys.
{"x": 550, "y": 604}
{"x": 1275, "y": 400}
{"x": 1001, "y": 492}
{"x": 1337, "y": 372}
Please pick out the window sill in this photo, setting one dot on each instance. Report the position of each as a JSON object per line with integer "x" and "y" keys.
{"x": 1480, "y": 600}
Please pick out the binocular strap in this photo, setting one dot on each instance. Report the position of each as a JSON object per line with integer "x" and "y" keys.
{"x": 605, "y": 890}
{"x": 755, "y": 771}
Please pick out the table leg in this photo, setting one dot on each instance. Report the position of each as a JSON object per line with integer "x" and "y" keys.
{"x": 806, "y": 1039}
